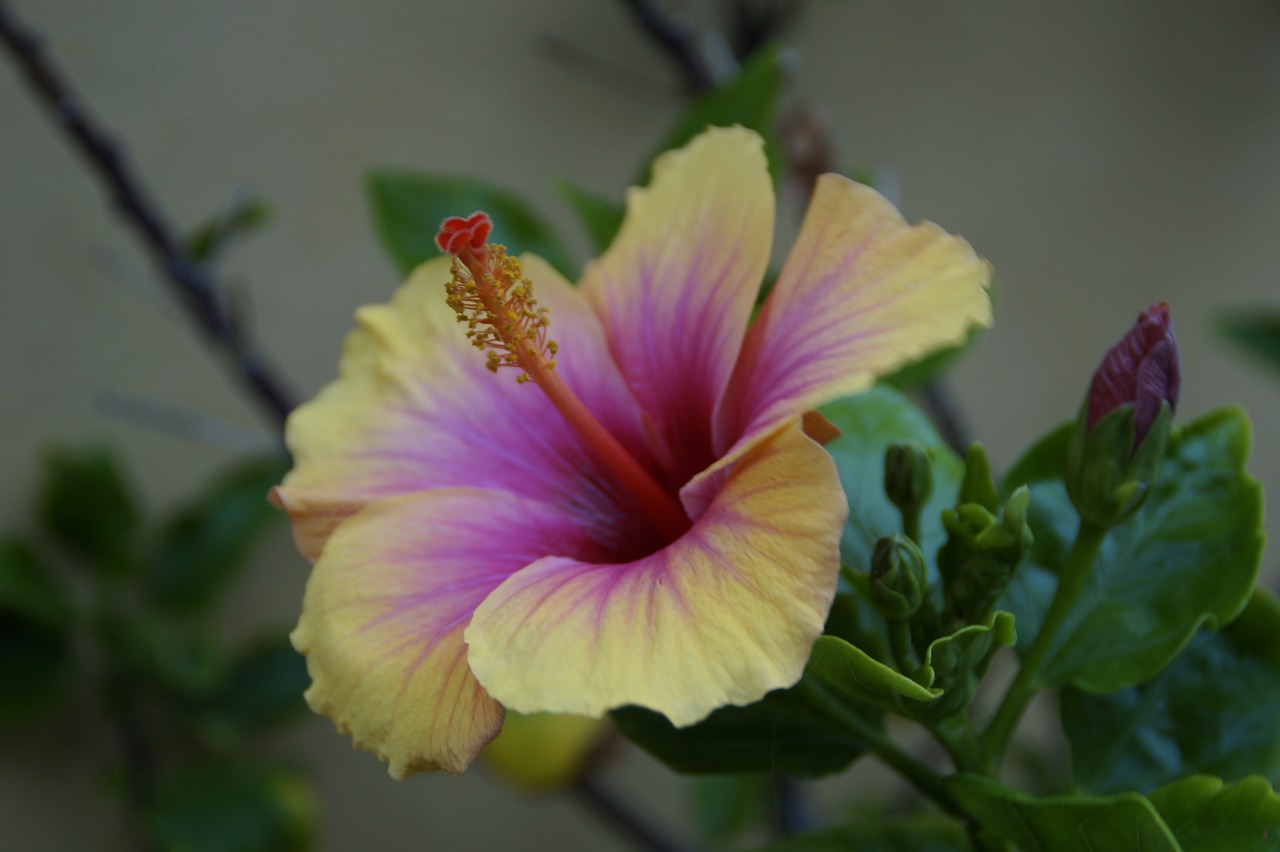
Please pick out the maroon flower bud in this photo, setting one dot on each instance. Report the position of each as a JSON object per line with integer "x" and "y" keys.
{"x": 1143, "y": 369}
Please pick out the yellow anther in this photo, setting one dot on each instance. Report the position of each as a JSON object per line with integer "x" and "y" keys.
{"x": 490, "y": 294}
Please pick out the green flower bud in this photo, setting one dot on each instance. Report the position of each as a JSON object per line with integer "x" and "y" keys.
{"x": 978, "y": 486}
{"x": 908, "y": 476}
{"x": 898, "y": 577}
{"x": 980, "y": 556}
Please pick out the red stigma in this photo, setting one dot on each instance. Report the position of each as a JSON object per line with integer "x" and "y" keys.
{"x": 457, "y": 233}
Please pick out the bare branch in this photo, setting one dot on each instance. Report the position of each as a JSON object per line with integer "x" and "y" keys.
{"x": 677, "y": 40}
{"x": 192, "y": 284}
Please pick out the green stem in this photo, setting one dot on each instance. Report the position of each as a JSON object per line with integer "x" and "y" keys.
{"x": 911, "y": 525}
{"x": 900, "y": 645}
{"x": 927, "y": 781}
{"x": 957, "y": 737}
{"x": 1071, "y": 583}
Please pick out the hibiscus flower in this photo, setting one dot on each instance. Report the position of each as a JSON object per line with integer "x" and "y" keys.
{"x": 643, "y": 517}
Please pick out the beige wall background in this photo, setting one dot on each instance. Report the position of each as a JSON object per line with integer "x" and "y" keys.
{"x": 1102, "y": 155}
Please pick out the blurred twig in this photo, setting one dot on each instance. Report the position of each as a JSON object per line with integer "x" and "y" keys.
{"x": 753, "y": 24}
{"x": 677, "y": 39}
{"x": 567, "y": 53}
{"x": 176, "y": 422}
{"x": 195, "y": 289}
{"x": 621, "y": 817}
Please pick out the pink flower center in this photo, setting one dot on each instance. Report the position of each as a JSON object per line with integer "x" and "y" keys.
{"x": 490, "y": 294}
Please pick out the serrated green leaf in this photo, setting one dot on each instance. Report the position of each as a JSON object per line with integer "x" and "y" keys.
{"x": 226, "y": 808}
{"x": 262, "y": 688}
{"x": 1208, "y": 816}
{"x": 1214, "y": 710}
{"x": 600, "y": 216}
{"x": 408, "y": 208}
{"x": 88, "y": 506}
{"x": 202, "y": 546}
{"x": 750, "y": 99}
{"x": 1257, "y": 332}
{"x": 920, "y": 834}
{"x": 1063, "y": 823}
{"x": 1188, "y": 558}
{"x": 781, "y": 732}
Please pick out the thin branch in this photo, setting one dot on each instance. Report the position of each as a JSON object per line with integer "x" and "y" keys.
{"x": 175, "y": 422}
{"x": 677, "y": 40}
{"x": 194, "y": 287}
{"x": 753, "y": 25}
{"x": 620, "y": 816}
{"x": 570, "y": 55}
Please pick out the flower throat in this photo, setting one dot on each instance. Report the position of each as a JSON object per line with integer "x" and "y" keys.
{"x": 490, "y": 294}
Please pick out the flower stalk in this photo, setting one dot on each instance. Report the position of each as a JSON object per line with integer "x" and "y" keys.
{"x": 1071, "y": 584}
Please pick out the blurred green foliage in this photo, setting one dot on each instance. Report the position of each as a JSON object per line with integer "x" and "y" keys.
{"x": 104, "y": 612}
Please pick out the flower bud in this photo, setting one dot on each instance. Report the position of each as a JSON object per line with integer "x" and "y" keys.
{"x": 898, "y": 577}
{"x": 980, "y": 556}
{"x": 978, "y": 486}
{"x": 1123, "y": 427}
{"x": 1143, "y": 369}
{"x": 908, "y": 476}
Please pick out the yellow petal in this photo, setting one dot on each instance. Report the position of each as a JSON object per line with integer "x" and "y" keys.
{"x": 385, "y": 609}
{"x": 723, "y": 615}
{"x": 861, "y": 294}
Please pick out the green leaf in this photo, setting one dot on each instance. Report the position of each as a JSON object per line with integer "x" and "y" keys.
{"x": 1063, "y": 823}
{"x": 780, "y": 732}
{"x": 209, "y": 240}
{"x": 869, "y": 423}
{"x": 262, "y": 689}
{"x": 408, "y": 208}
{"x": 35, "y": 642}
{"x": 727, "y": 805}
{"x": 944, "y": 684}
{"x": 750, "y": 99}
{"x": 955, "y": 665}
{"x": 202, "y": 546}
{"x": 224, "y": 808}
{"x": 857, "y": 677}
{"x": 601, "y": 216}
{"x": 87, "y": 505}
{"x": 1257, "y": 332}
{"x": 1188, "y": 558}
{"x": 30, "y": 589}
{"x": 918, "y": 834}
{"x": 1208, "y": 816}
{"x": 37, "y": 665}
{"x": 933, "y": 365}
{"x": 148, "y": 648}
{"x": 1214, "y": 710}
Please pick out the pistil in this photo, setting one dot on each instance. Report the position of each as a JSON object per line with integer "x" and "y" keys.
{"x": 490, "y": 294}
